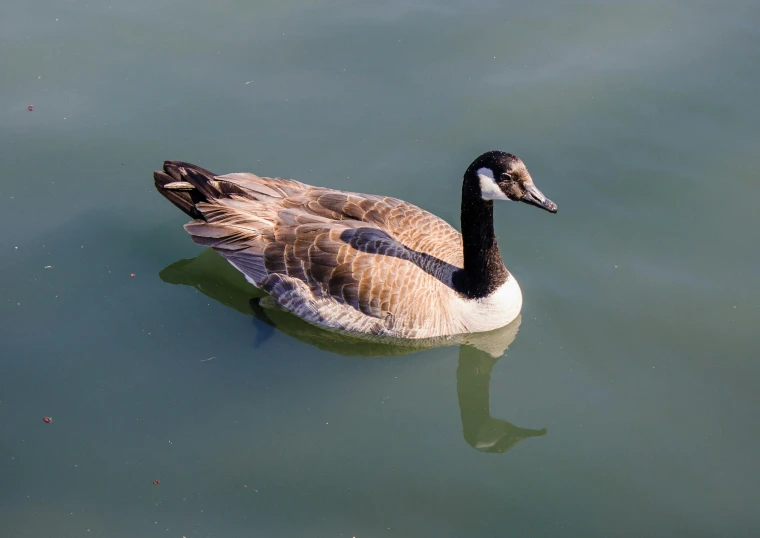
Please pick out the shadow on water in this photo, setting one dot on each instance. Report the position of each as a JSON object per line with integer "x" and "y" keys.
{"x": 210, "y": 274}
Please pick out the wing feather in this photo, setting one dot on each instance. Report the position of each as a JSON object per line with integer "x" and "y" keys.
{"x": 315, "y": 250}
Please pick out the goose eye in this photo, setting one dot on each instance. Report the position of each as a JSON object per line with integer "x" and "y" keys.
{"x": 505, "y": 176}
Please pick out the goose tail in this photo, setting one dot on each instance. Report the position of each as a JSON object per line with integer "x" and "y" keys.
{"x": 186, "y": 185}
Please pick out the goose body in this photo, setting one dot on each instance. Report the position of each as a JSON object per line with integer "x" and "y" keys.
{"x": 359, "y": 262}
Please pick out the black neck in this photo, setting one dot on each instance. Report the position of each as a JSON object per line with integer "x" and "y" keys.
{"x": 484, "y": 269}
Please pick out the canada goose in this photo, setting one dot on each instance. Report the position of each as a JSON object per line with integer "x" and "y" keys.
{"x": 359, "y": 262}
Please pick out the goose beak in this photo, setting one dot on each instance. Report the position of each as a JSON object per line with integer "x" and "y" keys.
{"x": 535, "y": 197}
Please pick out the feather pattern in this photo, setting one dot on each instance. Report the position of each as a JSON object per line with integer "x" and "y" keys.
{"x": 357, "y": 262}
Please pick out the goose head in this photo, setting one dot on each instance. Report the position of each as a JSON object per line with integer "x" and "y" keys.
{"x": 497, "y": 175}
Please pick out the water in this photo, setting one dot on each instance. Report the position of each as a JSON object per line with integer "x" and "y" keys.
{"x": 626, "y": 403}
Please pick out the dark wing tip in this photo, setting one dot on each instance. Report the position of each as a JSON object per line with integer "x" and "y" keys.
{"x": 177, "y": 169}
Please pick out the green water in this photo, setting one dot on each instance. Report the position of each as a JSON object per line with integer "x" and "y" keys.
{"x": 627, "y": 401}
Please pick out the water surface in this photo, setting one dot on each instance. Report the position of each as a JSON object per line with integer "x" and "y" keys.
{"x": 626, "y": 401}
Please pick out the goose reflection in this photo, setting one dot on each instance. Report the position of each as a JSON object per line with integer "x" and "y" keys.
{"x": 210, "y": 274}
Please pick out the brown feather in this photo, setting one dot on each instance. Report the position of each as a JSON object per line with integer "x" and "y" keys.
{"x": 378, "y": 258}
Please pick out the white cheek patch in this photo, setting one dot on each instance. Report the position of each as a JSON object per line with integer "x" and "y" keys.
{"x": 489, "y": 190}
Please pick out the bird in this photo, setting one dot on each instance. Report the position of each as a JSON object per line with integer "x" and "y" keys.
{"x": 362, "y": 263}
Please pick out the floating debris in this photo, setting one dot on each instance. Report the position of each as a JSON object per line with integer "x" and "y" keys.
{"x": 156, "y": 482}
{"x": 47, "y": 420}
{"x": 48, "y": 267}
{"x": 132, "y": 274}
{"x": 30, "y": 108}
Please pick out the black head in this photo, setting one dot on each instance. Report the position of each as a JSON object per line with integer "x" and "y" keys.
{"x": 503, "y": 176}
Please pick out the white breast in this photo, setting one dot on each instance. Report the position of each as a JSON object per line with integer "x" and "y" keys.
{"x": 491, "y": 312}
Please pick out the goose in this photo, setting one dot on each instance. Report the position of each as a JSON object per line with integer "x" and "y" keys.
{"x": 362, "y": 263}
